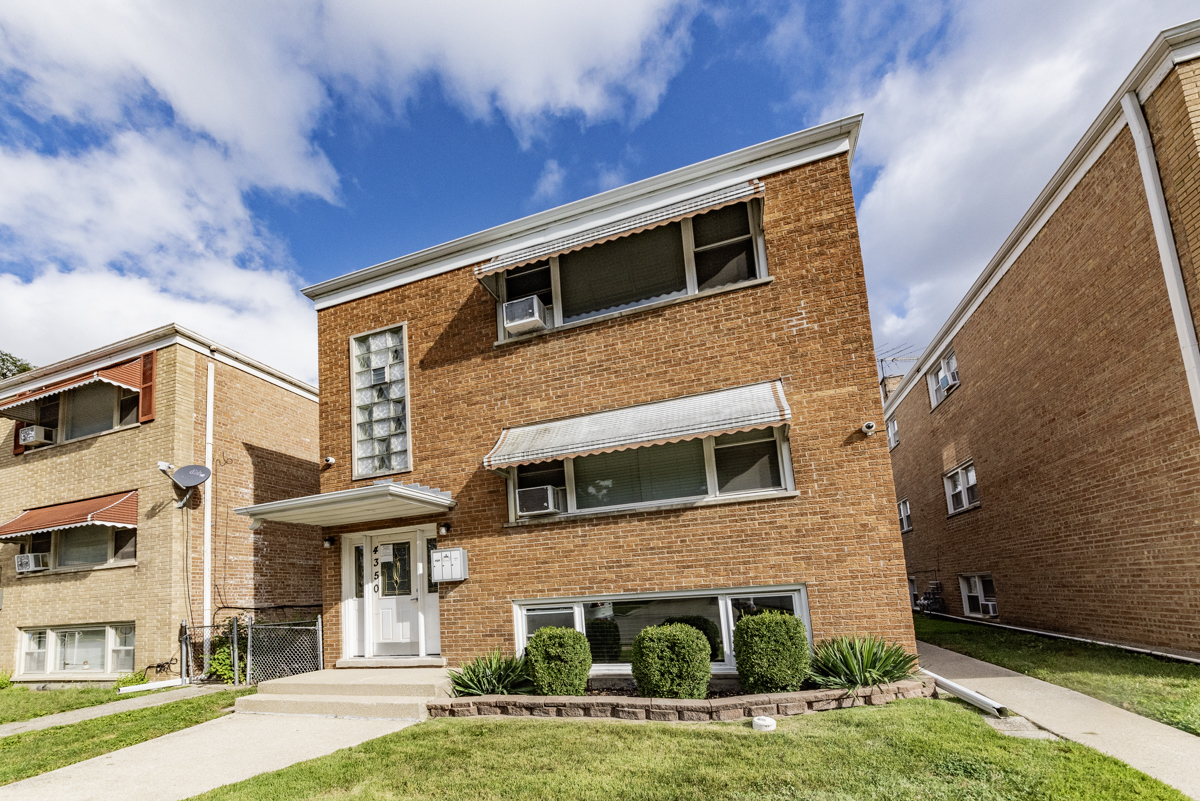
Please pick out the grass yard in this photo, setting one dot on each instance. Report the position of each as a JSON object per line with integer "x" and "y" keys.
{"x": 25, "y": 755}
{"x": 20, "y": 703}
{"x": 915, "y": 749}
{"x": 1160, "y": 689}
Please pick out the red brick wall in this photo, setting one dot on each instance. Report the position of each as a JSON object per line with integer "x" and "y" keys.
{"x": 1074, "y": 406}
{"x": 810, "y": 326}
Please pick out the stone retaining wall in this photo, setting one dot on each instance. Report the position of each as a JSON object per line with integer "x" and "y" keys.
{"x": 668, "y": 709}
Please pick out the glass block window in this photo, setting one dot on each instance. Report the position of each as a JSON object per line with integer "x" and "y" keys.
{"x": 380, "y": 403}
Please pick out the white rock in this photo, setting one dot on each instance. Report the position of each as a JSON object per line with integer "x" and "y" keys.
{"x": 764, "y": 723}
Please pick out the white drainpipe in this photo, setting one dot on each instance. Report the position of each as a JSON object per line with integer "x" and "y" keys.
{"x": 208, "y": 493}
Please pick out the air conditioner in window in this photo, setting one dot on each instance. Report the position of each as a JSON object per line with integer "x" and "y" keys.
{"x": 37, "y": 435}
{"x": 533, "y": 501}
{"x": 988, "y": 608}
{"x": 525, "y": 315}
{"x": 32, "y": 562}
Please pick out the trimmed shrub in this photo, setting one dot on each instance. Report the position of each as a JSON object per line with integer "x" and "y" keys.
{"x": 604, "y": 639}
{"x": 492, "y": 674}
{"x": 853, "y": 662}
{"x": 558, "y": 660}
{"x": 710, "y": 630}
{"x": 772, "y": 652}
{"x": 671, "y": 661}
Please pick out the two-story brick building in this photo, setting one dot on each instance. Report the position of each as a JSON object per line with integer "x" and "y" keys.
{"x": 1046, "y": 447}
{"x": 100, "y": 561}
{"x": 640, "y": 405}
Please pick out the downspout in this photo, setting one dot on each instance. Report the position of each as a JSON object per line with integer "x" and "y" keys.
{"x": 1185, "y": 326}
{"x": 208, "y": 493}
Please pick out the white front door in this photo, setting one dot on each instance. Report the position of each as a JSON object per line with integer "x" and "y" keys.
{"x": 395, "y": 595}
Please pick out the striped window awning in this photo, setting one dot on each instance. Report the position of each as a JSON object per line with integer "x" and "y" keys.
{"x": 725, "y": 411}
{"x": 625, "y": 227}
{"x": 119, "y": 510}
{"x": 22, "y": 408}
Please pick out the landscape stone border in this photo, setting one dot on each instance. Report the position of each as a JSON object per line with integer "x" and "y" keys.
{"x": 676, "y": 709}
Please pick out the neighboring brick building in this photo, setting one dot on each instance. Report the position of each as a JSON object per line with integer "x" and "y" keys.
{"x": 671, "y": 314}
{"x": 91, "y": 522}
{"x": 1048, "y": 458}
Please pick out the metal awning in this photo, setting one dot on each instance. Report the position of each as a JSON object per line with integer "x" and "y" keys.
{"x": 119, "y": 510}
{"x": 21, "y": 407}
{"x": 701, "y": 204}
{"x": 358, "y": 505}
{"x": 725, "y": 411}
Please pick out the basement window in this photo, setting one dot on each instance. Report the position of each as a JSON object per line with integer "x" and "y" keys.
{"x": 979, "y": 595}
{"x": 102, "y": 650}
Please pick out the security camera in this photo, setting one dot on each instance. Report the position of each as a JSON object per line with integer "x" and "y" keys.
{"x": 329, "y": 460}
{"x": 868, "y": 428}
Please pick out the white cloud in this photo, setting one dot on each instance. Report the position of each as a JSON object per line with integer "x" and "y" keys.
{"x": 175, "y": 112}
{"x": 969, "y": 109}
{"x": 549, "y": 183}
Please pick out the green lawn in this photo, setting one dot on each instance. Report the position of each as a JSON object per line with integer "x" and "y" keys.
{"x": 25, "y": 755}
{"x": 20, "y": 703}
{"x": 1160, "y": 689}
{"x": 915, "y": 749}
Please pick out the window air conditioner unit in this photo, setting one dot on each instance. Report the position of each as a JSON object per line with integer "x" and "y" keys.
{"x": 988, "y": 608}
{"x": 525, "y": 315}
{"x": 37, "y": 435}
{"x": 32, "y": 562}
{"x": 951, "y": 381}
{"x": 533, "y": 501}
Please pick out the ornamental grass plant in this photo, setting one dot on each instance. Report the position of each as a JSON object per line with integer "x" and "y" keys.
{"x": 852, "y": 662}
{"x": 492, "y": 674}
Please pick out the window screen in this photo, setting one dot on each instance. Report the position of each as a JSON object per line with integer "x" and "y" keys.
{"x": 731, "y": 222}
{"x": 727, "y": 264}
{"x": 560, "y": 617}
{"x": 35, "y": 652}
{"x": 542, "y": 474}
{"x": 531, "y": 280}
{"x": 124, "y": 543}
{"x": 747, "y": 461}
{"x": 80, "y": 649}
{"x": 625, "y": 272}
{"x": 656, "y": 473}
{"x": 380, "y": 403}
{"x": 86, "y": 545}
{"x": 91, "y": 410}
{"x": 122, "y": 652}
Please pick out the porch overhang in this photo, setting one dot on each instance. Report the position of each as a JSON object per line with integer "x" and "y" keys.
{"x": 358, "y": 505}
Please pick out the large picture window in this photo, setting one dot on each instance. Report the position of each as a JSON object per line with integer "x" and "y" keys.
{"x": 84, "y": 546}
{"x": 380, "y": 387}
{"x": 92, "y": 649}
{"x": 611, "y": 623}
{"x": 87, "y": 410}
{"x": 697, "y": 254}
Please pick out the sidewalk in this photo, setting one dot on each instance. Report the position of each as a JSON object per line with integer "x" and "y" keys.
{"x": 1158, "y": 750}
{"x": 193, "y": 761}
{"x": 111, "y": 708}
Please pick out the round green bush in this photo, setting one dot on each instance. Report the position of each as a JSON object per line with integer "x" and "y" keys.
{"x": 604, "y": 638}
{"x": 772, "y": 652}
{"x": 558, "y": 661}
{"x": 710, "y": 630}
{"x": 671, "y": 661}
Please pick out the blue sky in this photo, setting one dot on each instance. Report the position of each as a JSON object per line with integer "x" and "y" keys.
{"x": 170, "y": 163}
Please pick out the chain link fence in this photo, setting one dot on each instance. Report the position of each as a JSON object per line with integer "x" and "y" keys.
{"x": 245, "y": 652}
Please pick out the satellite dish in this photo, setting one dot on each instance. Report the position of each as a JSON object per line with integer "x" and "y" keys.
{"x": 192, "y": 475}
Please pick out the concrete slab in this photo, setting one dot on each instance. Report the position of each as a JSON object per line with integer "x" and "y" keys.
{"x": 196, "y": 760}
{"x": 1017, "y": 726}
{"x": 111, "y": 708}
{"x": 1158, "y": 750}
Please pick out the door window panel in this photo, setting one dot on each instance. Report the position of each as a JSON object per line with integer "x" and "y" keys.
{"x": 397, "y": 574}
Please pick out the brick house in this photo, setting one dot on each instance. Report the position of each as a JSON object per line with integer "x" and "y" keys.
{"x": 107, "y": 563}
{"x": 1045, "y": 447}
{"x": 640, "y": 405}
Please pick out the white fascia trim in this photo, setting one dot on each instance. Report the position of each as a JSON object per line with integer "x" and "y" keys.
{"x": 783, "y": 153}
{"x": 1185, "y": 327}
{"x": 1171, "y": 47}
{"x": 153, "y": 340}
{"x": 348, "y": 496}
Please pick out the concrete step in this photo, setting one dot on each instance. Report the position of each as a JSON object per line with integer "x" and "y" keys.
{"x": 371, "y": 682}
{"x": 391, "y": 662}
{"x": 391, "y": 707}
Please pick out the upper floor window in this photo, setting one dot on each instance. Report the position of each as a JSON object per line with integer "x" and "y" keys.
{"x": 380, "y": 397}
{"x": 905, "y": 515}
{"x": 681, "y": 258}
{"x": 961, "y": 492}
{"x": 81, "y": 412}
{"x": 893, "y": 432}
{"x": 80, "y": 546}
{"x": 942, "y": 378}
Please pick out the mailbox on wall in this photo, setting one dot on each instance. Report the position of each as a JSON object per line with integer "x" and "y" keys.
{"x": 448, "y": 564}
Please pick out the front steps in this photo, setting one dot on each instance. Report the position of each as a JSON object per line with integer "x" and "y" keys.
{"x": 389, "y": 693}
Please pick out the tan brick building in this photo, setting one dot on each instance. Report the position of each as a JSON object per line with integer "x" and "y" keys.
{"x": 1046, "y": 447}
{"x": 107, "y": 563}
{"x": 640, "y": 405}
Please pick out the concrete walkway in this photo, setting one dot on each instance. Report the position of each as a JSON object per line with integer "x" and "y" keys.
{"x": 196, "y": 760}
{"x": 111, "y": 708}
{"x": 1166, "y": 753}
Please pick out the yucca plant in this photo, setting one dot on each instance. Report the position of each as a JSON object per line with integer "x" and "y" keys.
{"x": 492, "y": 674}
{"x": 853, "y": 662}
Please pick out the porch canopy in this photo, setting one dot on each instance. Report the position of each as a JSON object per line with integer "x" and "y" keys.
{"x": 119, "y": 510}
{"x": 383, "y": 501}
{"x": 22, "y": 408}
{"x": 725, "y": 411}
{"x": 488, "y": 272}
